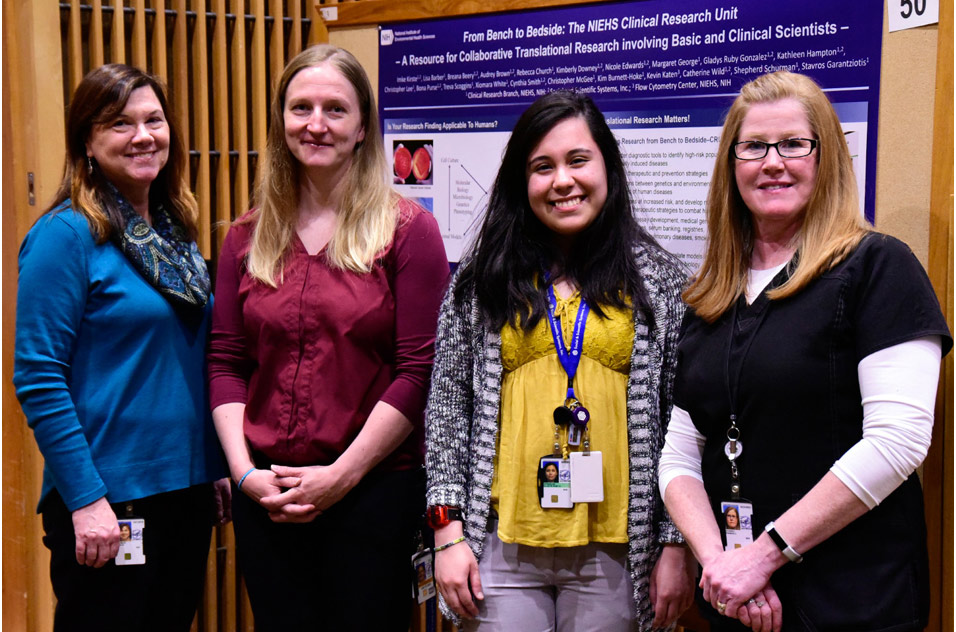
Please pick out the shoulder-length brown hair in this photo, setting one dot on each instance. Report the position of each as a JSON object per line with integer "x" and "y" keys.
{"x": 367, "y": 214}
{"x": 98, "y": 100}
{"x": 832, "y": 225}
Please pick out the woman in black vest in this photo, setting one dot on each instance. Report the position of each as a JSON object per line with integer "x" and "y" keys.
{"x": 807, "y": 373}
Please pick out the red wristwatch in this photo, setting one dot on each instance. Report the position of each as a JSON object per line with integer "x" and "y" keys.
{"x": 438, "y": 516}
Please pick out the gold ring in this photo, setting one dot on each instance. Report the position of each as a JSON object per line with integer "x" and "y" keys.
{"x": 721, "y": 607}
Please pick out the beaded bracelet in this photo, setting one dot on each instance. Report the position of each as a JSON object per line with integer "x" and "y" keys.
{"x": 239, "y": 484}
{"x": 448, "y": 544}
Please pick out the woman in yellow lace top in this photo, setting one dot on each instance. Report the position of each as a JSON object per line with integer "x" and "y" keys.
{"x": 553, "y": 374}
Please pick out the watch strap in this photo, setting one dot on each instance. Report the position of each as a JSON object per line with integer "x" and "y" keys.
{"x": 788, "y": 551}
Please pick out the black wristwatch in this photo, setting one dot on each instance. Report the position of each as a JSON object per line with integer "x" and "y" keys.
{"x": 438, "y": 516}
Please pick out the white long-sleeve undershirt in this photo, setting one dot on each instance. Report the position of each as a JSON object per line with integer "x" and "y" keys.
{"x": 898, "y": 390}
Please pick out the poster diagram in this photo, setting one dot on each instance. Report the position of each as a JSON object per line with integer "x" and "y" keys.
{"x": 463, "y": 172}
{"x": 663, "y": 75}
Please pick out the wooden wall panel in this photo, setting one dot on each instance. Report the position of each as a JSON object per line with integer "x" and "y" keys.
{"x": 32, "y": 152}
{"x": 199, "y": 106}
{"x": 75, "y": 46}
{"x": 276, "y": 42}
{"x": 240, "y": 115}
{"x": 260, "y": 94}
{"x": 118, "y": 33}
{"x": 97, "y": 38}
{"x": 938, "y": 469}
{"x": 179, "y": 82}
{"x": 295, "y": 35}
{"x": 159, "y": 43}
{"x": 139, "y": 34}
{"x": 221, "y": 115}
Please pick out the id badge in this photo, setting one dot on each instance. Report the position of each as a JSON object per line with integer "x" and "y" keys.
{"x": 422, "y": 564}
{"x": 131, "y": 542}
{"x": 554, "y": 483}
{"x": 587, "y": 477}
{"x": 737, "y": 523}
{"x": 575, "y": 434}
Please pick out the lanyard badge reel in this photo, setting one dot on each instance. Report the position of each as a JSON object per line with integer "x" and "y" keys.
{"x": 737, "y": 522}
{"x": 738, "y": 512}
{"x": 566, "y": 477}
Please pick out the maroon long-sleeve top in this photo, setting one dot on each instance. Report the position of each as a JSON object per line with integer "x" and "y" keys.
{"x": 312, "y": 357}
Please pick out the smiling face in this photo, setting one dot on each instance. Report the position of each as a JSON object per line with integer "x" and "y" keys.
{"x": 124, "y": 532}
{"x": 133, "y": 148}
{"x": 775, "y": 189}
{"x": 567, "y": 179}
{"x": 323, "y": 119}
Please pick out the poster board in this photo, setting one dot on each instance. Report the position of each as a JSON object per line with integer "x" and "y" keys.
{"x": 663, "y": 77}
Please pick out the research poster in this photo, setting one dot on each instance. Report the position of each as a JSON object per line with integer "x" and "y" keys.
{"x": 664, "y": 74}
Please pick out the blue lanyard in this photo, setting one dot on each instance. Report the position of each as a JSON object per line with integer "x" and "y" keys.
{"x": 569, "y": 357}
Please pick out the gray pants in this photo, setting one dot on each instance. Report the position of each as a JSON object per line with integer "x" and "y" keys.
{"x": 571, "y": 589}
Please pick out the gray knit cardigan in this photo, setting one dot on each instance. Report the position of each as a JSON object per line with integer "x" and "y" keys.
{"x": 461, "y": 418}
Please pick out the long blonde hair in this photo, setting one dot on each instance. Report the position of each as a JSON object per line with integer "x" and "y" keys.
{"x": 367, "y": 216}
{"x": 832, "y": 225}
{"x": 99, "y": 99}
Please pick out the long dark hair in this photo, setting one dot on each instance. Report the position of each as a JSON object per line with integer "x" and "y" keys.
{"x": 100, "y": 98}
{"x": 513, "y": 248}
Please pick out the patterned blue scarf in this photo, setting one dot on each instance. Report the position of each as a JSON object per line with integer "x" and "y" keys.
{"x": 164, "y": 256}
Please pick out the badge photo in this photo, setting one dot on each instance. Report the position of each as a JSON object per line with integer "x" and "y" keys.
{"x": 423, "y": 565}
{"x": 131, "y": 542}
{"x": 554, "y": 483}
{"x": 737, "y": 523}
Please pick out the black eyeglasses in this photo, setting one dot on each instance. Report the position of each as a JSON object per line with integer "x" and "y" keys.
{"x": 786, "y": 148}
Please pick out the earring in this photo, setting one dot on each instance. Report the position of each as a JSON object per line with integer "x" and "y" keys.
{"x": 89, "y": 165}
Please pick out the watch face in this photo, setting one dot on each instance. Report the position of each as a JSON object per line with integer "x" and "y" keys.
{"x": 438, "y": 516}
{"x": 434, "y": 517}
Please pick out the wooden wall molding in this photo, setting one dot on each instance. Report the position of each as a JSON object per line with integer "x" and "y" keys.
{"x": 34, "y": 140}
{"x": 938, "y": 469}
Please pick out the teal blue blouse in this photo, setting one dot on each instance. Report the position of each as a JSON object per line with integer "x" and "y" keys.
{"x": 111, "y": 380}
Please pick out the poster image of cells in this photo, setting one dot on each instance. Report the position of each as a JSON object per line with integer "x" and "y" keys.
{"x": 412, "y": 161}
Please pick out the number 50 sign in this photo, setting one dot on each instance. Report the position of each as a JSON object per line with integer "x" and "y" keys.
{"x": 906, "y": 14}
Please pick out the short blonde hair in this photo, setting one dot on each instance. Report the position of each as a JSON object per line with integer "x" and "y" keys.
{"x": 832, "y": 226}
{"x": 368, "y": 213}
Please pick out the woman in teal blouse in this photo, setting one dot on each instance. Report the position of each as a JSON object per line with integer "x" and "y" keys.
{"x": 112, "y": 315}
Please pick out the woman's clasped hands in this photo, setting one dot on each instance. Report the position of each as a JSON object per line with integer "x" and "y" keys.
{"x": 297, "y": 494}
{"x": 737, "y": 585}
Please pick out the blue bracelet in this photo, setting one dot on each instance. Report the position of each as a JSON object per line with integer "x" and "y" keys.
{"x": 239, "y": 484}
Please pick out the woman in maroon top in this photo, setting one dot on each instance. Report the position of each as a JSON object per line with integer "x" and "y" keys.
{"x": 326, "y": 307}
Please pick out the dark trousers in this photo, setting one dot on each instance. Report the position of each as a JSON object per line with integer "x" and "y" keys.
{"x": 160, "y": 595}
{"x": 347, "y": 570}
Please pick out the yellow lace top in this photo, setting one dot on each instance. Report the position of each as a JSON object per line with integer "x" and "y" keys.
{"x": 534, "y": 383}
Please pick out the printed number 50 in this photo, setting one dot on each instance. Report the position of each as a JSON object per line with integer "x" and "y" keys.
{"x": 909, "y": 6}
